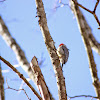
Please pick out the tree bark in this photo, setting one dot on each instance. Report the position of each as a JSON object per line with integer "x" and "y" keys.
{"x": 2, "y": 95}
{"x": 51, "y": 50}
{"x": 21, "y": 76}
{"x": 40, "y": 81}
{"x": 85, "y": 30}
{"x": 4, "y": 32}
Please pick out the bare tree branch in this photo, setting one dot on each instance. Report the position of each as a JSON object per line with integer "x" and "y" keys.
{"x": 51, "y": 50}
{"x": 4, "y": 32}
{"x": 17, "y": 90}
{"x": 61, "y": 5}
{"x": 92, "y": 12}
{"x": 96, "y": 6}
{"x": 75, "y": 1}
{"x": 20, "y": 90}
{"x": 93, "y": 42}
{"x": 84, "y": 33}
{"x": 2, "y": 96}
{"x": 40, "y": 81}
{"x": 89, "y": 96}
{"x": 21, "y": 76}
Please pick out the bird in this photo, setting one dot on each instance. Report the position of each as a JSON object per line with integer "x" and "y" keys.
{"x": 63, "y": 53}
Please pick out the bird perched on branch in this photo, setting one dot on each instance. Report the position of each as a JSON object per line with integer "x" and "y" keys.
{"x": 63, "y": 53}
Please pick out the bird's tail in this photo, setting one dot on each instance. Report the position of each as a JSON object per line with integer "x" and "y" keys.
{"x": 62, "y": 65}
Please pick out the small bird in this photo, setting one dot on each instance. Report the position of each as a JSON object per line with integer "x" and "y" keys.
{"x": 63, "y": 53}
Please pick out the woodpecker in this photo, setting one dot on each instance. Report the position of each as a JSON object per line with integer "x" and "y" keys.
{"x": 63, "y": 53}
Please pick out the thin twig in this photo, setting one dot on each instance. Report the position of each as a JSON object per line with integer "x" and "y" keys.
{"x": 21, "y": 76}
{"x": 83, "y": 96}
{"x": 96, "y": 6}
{"x": 61, "y": 5}
{"x": 92, "y": 12}
{"x": 8, "y": 87}
{"x": 95, "y": 16}
{"x": 82, "y": 6}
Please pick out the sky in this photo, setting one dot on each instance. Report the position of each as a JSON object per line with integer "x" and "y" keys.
{"x": 20, "y": 18}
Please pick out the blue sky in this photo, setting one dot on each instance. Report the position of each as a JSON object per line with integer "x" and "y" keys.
{"x": 19, "y": 16}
